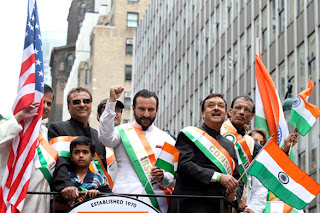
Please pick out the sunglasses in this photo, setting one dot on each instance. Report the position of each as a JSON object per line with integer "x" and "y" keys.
{"x": 77, "y": 102}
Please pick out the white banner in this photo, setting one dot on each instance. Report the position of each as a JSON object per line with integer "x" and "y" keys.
{"x": 113, "y": 203}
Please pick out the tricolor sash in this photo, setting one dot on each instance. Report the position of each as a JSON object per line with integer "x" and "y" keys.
{"x": 243, "y": 152}
{"x": 62, "y": 146}
{"x": 211, "y": 149}
{"x": 45, "y": 158}
{"x": 142, "y": 157}
{"x": 110, "y": 156}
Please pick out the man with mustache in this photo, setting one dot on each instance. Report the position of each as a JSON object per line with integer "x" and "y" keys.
{"x": 207, "y": 163}
{"x": 79, "y": 105}
{"x": 136, "y": 147}
{"x": 241, "y": 113}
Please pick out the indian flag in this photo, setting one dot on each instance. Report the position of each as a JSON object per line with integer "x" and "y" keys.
{"x": 280, "y": 207}
{"x": 61, "y": 145}
{"x": 281, "y": 176}
{"x": 168, "y": 158}
{"x": 269, "y": 113}
{"x": 45, "y": 158}
{"x": 303, "y": 114}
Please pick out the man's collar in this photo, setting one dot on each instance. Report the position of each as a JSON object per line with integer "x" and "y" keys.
{"x": 209, "y": 130}
{"x": 78, "y": 123}
{"x": 87, "y": 179}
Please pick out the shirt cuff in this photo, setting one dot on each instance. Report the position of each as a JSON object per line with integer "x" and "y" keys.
{"x": 215, "y": 177}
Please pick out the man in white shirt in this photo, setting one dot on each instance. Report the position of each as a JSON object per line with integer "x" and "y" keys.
{"x": 128, "y": 180}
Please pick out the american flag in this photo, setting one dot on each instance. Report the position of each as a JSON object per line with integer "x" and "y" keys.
{"x": 16, "y": 178}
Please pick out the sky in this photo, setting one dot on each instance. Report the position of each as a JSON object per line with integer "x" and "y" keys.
{"x": 13, "y": 16}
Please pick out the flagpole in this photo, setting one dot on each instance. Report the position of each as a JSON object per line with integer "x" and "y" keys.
{"x": 255, "y": 158}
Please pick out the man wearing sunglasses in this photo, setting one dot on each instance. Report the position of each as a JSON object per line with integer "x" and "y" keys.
{"x": 79, "y": 105}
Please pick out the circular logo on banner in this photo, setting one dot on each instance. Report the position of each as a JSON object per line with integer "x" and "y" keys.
{"x": 230, "y": 137}
{"x": 114, "y": 203}
{"x": 296, "y": 102}
{"x": 283, "y": 177}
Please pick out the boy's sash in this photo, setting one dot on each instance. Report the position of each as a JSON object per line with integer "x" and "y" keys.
{"x": 45, "y": 158}
{"x": 141, "y": 156}
{"x": 211, "y": 149}
{"x": 62, "y": 146}
{"x": 243, "y": 152}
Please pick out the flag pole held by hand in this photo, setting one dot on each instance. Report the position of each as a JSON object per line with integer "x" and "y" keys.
{"x": 255, "y": 157}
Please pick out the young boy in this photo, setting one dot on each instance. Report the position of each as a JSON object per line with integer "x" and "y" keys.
{"x": 82, "y": 151}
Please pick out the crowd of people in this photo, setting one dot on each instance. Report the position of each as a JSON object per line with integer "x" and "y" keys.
{"x": 208, "y": 162}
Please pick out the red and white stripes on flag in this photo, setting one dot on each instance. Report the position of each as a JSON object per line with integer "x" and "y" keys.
{"x": 16, "y": 178}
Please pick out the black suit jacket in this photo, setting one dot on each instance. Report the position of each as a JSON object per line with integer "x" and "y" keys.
{"x": 194, "y": 174}
{"x": 71, "y": 127}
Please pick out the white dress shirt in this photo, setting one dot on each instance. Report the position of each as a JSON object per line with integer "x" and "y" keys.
{"x": 127, "y": 180}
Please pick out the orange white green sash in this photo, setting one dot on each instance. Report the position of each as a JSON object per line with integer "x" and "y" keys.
{"x": 45, "y": 158}
{"x": 62, "y": 146}
{"x": 241, "y": 146}
{"x": 110, "y": 156}
{"x": 141, "y": 156}
{"x": 211, "y": 149}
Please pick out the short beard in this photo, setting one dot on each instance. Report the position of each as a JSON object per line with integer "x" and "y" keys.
{"x": 138, "y": 120}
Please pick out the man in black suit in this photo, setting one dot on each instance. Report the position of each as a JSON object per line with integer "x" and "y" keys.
{"x": 79, "y": 105}
{"x": 200, "y": 175}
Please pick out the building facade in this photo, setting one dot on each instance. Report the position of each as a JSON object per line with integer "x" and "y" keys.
{"x": 187, "y": 49}
{"x": 106, "y": 46}
{"x": 62, "y": 58}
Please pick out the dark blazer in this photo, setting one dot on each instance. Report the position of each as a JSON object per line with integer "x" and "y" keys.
{"x": 194, "y": 174}
{"x": 71, "y": 127}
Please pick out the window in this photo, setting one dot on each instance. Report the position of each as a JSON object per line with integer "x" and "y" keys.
{"x": 290, "y": 10}
{"x": 281, "y": 16}
{"x": 127, "y": 100}
{"x": 249, "y": 54}
{"x": 223, "y": 71}
{"x": 235, "y": 62}
{"x": 300, "y": 5}
{"x": 82, "y": 8}
{"x": 129, "y": 46}
{"x": 229, "y": 70}
{"x": 128, "y": 75}
{"x": 301, "y": 69}
{"x": 88, "y": 76}
{"x": 273, "y": 20}
{"x": 264, "y": 29}
{"x": 132, "y": 19}
{"x": 217, "y": 23}
{"x": 242, "y": 54}
{"x": 313, "y": 149}
{"x": 312, "y": 57}
{"x": 282, "y": 77}
{"x": 292, "y": 72}
{"x": 256, "y": 28}
{"x": 70, "y": 60}
{"x": 229, "y": 8}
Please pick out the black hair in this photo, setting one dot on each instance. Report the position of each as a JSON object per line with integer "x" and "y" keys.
{"x": 247, "y": 98}
{"x": 77, "y": 90}
{"x": 145, "y": 94}
{"x": 212, "y": 96}
{"x": 83, "y": 140}
{"x": 48, "y": 89}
